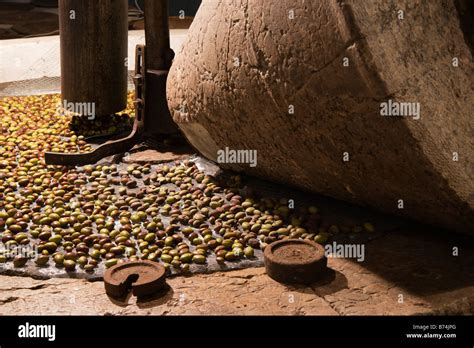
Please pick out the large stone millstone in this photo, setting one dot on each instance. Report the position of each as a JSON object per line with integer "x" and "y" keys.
{"x": 247, "y": 63}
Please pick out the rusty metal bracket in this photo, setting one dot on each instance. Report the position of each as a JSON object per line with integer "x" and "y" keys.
{"x": 115, "y": 146}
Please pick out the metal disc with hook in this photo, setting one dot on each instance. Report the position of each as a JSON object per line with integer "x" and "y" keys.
{"x": 143, "y": 278}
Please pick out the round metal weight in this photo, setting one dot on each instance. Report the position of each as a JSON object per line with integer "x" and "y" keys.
{"x": 295, "y": 261}
{"x": 142, "y": 277}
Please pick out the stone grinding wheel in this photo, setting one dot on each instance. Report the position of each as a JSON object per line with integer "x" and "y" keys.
{"x": 144, "y": 278}
{"x": 295, "y": 261}
{"x": 302, "y": 82}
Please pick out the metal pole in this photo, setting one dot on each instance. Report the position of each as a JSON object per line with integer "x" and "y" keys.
{"x": 159, "y": 56}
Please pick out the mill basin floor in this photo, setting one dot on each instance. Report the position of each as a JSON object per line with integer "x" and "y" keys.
{"x": 406, "y": 272}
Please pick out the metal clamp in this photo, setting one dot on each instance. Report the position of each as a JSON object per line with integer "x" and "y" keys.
{"x": 115, "y": 146}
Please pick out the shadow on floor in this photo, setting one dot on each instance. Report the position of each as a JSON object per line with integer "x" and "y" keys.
{"x": 423, "y": 260}
{"x": 161, "y": 297}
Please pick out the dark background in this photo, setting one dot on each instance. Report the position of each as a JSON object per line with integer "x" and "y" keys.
{"x": 189, "y": 6}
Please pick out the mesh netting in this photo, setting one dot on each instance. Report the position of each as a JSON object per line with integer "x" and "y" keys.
{"x": 44, "y": 85}
{"x": 22, "y": 76}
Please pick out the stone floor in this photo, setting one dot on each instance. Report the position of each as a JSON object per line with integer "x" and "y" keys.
{"x": 405, "y": 273}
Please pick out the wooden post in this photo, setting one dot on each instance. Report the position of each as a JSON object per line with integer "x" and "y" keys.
{"x": 93, "y": 37}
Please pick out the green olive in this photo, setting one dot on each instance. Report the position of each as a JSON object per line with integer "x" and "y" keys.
{"x": 199, "y": 259}
{"x": 58, "y": 259}
{"x": 89, "y": 268}
{"x": 82, "y": 261}
{"x": 321, "y": 238}
{"x": 166, "y": 258}
{"x": 249, "y": 252}
{"x": 15, "y": 228}
{"x": 111, "y": 262}
{"x": 55, "y": 239}
{"x": 20, "y": 237}
{"x": 69, "y": 265}
{"x": 230, "y": 256}
{"x": 187, "y": 257}
{"x": 42, "y": 260}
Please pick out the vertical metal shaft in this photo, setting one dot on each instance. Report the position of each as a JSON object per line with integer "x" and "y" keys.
{"x": 157, "y": 35}
{"x": 159, "y": 56}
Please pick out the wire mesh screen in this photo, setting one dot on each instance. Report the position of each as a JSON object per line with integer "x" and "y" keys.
{"x": 44, "y": 85}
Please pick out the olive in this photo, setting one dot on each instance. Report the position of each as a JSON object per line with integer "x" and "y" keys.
{"x": 200, "y": 259}
{"x": 58, "y": 259}
{"x": 19, "y": 261}
{"x": 42, "y": 260}
{"x": 69, "y": 265}
{"x": 111, "y": 262}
